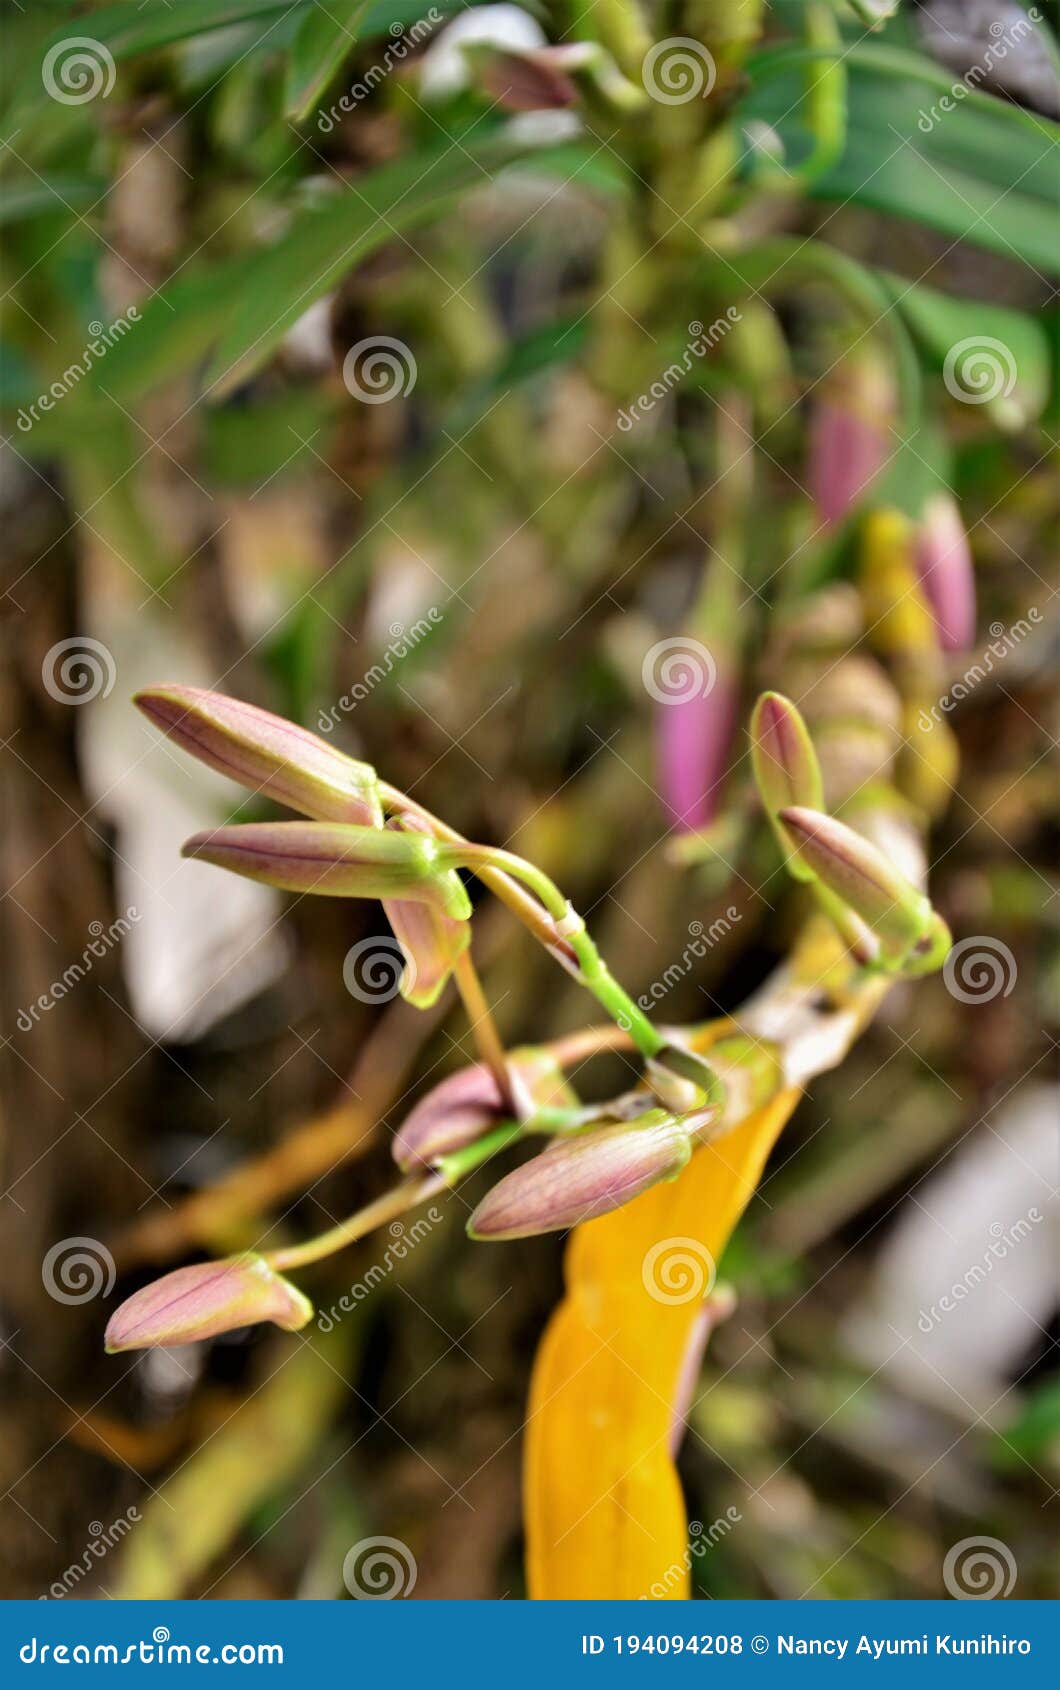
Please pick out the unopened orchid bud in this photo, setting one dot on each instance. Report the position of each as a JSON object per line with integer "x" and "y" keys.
{"x": 466, "y": 1105}
{"x": 851, "y": 868}
{"x": 203, "y": 1300}
{"x": 785, "y": 767}
{"x": 578, "y": 1178}
{"x": 533, "y": 79}
{"x": 266, "y": 753}
{"x": 334, "y": 861}
{"x": 943, "y": 560}
{"x": 850, "y": 433}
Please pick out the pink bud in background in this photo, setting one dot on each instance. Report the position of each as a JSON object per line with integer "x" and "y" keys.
{"x": 850, "y": 433}
{"x": 203, "y": 1300}
{"x": 467, "y": 1104}
{"x": 944, "y": 564}
{"x": 693, "y": 738}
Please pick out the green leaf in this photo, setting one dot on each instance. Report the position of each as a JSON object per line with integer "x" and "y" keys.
{"x": 324, "y": 39}
{"x": 322, "y": 244}
{"x": 988, "y": 354}
{"x": 55, "y": 196}
{"x": 978, "y": 169}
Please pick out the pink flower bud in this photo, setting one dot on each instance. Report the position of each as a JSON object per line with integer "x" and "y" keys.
{"x": 785, "y": 766}
{"x": 944, "y": 564}
{"x": 578, "y": 1178}
{"x": 266, "y": 753}
{"x": 201, "y": 1301}
{"x": 467, "y": 1104}
{"x": 336, "y": 861}
{"x": 850, "y": 433}
{"x": 432, "y": 942}
{"x": 693, "y": 737}
{"x": 853, "y": 870}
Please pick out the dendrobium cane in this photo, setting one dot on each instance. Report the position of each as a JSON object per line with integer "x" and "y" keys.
{"x": 365, "y": 839}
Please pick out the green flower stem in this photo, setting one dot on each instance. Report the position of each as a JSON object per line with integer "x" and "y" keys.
{"x": 592, "y": 972}
{"x": 407, "y": 1195}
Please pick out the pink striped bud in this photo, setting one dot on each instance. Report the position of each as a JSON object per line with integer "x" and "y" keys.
{"x": 336, "y": 861}
{"x": 578, "y": 1178}
{"x": 467, "y": 1104}
{"x": 850, "y": 433}
{"x": 201, "y": 1301}
{"x": 785, "y": 767}
{"x": 943, "y": 560}
{"x": 266, "y": 753}
{"x": 431, "y": 941}
{"x": 853, "y": 870}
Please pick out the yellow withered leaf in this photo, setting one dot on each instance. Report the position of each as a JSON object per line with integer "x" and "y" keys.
{"x": 605, "y": 1516}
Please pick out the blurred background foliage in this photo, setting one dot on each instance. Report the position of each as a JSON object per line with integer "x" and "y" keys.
{"x": 461, "y": 582}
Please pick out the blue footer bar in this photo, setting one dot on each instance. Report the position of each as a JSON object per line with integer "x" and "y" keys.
{"x": 511, "y": 1644}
